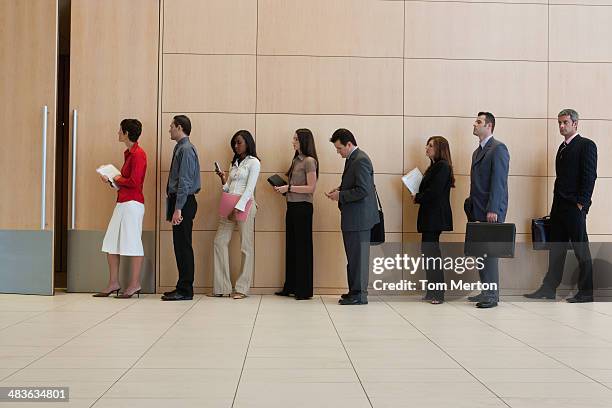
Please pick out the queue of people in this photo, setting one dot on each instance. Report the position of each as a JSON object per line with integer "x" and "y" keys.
{"x": 576, "y": 164}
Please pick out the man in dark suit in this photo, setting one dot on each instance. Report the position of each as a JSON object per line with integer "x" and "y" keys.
{"x": 356, "y": 199}
{"x": 576, "y": 168}
{"x": 488, "y": 201}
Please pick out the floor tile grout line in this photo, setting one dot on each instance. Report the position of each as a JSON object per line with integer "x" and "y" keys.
{"x": 146, "y": 351}
{"x": 566, "y": 324}
{"x": 346, "y": 351}
{"x": 445, "y": 352}
{"x": 535, "y": 348}
{"x": 37, "y": 314}
{"x": 67, "y": 341}
{"x": 246, "y": 354}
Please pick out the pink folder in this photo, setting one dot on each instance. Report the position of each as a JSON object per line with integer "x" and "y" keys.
{"x": 227, "y": 204}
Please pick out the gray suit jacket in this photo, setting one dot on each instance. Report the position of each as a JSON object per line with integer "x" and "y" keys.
{"x": 489, "y": 181}
{"x": 357, "y": 202}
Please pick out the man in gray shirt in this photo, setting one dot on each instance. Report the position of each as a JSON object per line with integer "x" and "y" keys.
{"x": 181, "y": 205}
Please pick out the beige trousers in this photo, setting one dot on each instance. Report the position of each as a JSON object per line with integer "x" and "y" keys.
{"x": 222, "y": 285}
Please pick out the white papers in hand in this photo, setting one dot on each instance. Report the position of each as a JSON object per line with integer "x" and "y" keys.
{"x": 412, "y": 180}
{"x": 109, "y": 171}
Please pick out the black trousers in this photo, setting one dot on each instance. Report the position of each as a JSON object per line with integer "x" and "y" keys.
{"x": 568, "y": 223}
{"x": 298, "y": 249}
{"x": 357, "y": 249}
{"x": 183, "y": 249}
{"x": 430, "y": 247}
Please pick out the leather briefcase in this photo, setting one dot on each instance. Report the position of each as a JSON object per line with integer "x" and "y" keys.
{"x": 377, "y": 233}
{"x": 494, "y": 240}
{"x": 540, "y": 233}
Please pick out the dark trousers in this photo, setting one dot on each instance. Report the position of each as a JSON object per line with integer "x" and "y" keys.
{"x": 430, "y": 247}
{"x": 298, "y": 249}
{"x": 490, "y": 274}
{"x": 568, "y": 223}
{"x": 183, "y": 250}
{"x": 357, "y": 248}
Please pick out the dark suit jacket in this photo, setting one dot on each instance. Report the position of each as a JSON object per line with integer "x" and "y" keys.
{"x": 489, "y": 181}
{"x": 434, "y": 198}
{"x": 357, "y": 202}
{"x": 576, "y": 167}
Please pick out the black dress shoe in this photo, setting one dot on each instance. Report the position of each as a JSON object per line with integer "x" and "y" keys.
{"x": 477, "y": 298}
{"x": 283, "y": 293}
{"x": 353, "y": 301}
{"x": 580, "y": 299}
{"x": 176, "y": 296}
{"x": 170, "y": 293}
{"x": 347, "y": 295}
{"x": 487, "y": 304}
{"x": 540, "y": 294}
{"x": 303, "y": 297}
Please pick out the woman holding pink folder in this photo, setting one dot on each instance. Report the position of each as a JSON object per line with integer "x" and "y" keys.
{"x": 237, "y": 207}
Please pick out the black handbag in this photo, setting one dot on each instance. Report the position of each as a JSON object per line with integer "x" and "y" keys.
{"x": 540, "y": 233}
{"x": 377, "y": 233}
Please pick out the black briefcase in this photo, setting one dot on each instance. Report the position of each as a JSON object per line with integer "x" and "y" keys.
{"x": 377, "y": 233}
{"x": 495, "y": 240}
{"x": 540, "y": 233}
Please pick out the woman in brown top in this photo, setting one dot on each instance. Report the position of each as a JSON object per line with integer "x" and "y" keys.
{"x": 303, "y": 175}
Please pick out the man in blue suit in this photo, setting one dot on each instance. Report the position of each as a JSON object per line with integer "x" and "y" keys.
{"x": 488, "y": 201}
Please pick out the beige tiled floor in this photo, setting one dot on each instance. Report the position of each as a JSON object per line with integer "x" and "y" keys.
{"x": 266, "y": 351}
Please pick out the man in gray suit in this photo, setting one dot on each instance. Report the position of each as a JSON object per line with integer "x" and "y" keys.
{"x": 488, "y": 201}
{"x": 356, "y": 199}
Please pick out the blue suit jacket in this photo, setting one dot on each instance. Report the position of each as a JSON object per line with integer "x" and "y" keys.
{"x": 489, "y": 181}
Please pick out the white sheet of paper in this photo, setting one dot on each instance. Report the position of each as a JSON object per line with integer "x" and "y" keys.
{"x": 412, "y": 180}
{"x": 109, "y": 171}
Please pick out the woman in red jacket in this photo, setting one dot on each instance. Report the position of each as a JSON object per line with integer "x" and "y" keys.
{"x": 124, "y": 233}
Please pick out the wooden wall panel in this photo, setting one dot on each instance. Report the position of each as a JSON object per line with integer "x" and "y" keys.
{"x": 337, "y": 85}
{"x": 582, "y": 86}
{"x": 379, "y": 136}
{"x": 511, "y": 89}
{"x": 28, "y": 53}
{"x": 210, "y": 26}
{"x": 579, "y": 45}
{"x": 517, "y": 134}
{"x": 322, "y": 27}
{"x": 448, "y": 30}
{"x": 208, "y": 83}
{"x": 115, "y": 79}
{"x": 392, "y": 83}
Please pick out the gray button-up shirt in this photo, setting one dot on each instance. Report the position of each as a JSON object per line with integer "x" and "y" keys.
{"x": 184, "y": 177}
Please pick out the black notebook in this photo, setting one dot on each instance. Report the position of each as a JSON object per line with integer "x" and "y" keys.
{"x": 276, "y": 180}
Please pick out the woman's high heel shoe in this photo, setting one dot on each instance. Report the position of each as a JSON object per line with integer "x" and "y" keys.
{"x": 106, "y": 294}
{"x": 126, "y": 295}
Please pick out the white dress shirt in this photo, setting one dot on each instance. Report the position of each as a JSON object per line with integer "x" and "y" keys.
{"x": 242, "y": 180}
{"x": 485, "y": 141}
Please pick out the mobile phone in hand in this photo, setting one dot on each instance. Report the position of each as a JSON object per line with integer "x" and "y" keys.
{"x": 217, "y": 168}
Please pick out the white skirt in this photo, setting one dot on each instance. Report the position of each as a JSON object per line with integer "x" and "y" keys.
{"x": 124, "y": 232}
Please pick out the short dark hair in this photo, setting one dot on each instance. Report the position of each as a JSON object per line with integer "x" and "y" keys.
{"x": 250, "y": 143}
{"x": 184, "y": 122}
{"x": 132, "y": 127}
{"x": 489, "y": 118}
{"x": 344, "y": 136}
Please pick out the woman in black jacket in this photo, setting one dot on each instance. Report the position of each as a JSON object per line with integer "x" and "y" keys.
{"x": 435, "y": 213}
